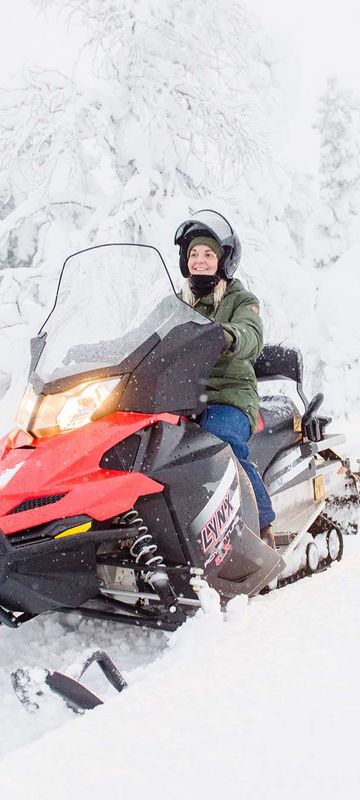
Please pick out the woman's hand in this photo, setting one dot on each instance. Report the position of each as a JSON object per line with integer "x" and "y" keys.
{"x": 229, "y": 340}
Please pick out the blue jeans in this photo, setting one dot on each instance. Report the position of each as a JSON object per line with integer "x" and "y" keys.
{"x": 232, "y": 426}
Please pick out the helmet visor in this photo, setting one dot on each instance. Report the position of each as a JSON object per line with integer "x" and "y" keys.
{"x": 206, "y": 220}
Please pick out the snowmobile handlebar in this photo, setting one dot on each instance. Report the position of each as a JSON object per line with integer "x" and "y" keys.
{"x": 312, "y": 408}
{"x": 313, "y": 426}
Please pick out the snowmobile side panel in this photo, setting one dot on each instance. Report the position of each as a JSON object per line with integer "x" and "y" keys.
{"x": 99, "y": 499}
{"x": 176, "y": 457}
{"x": 215, "y": 520}
{"x": 68, "y": 478}
{"x": 248, "y": 564}
{"x": 155, "y": 510}
{"x": 197, "y": 522}
{"x": 289, "y": 469}
{"x": 294, "y": 510}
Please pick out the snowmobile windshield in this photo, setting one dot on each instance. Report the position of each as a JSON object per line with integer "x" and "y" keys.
{"x": 110, "y": 300}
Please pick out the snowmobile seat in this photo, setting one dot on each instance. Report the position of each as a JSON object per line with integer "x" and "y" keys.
{"x": 278, "y": 429}
{"x": 279, "y": 420}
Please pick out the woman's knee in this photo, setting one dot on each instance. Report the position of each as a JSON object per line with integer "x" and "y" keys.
{"x": 229, "y": 424}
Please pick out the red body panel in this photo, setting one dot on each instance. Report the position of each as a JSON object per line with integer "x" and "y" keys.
{"x": 260, "y": 423}
{"x": 69, "y": 463}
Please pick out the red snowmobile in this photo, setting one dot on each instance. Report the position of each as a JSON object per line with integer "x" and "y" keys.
{"x": 113, "y": 501}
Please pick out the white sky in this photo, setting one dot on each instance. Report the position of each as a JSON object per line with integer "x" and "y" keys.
{"x": 320, "y": 37}
{"x": 324, "y": 33}
{"x": 40, "y": 39}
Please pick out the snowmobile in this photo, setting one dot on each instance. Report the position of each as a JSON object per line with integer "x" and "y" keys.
{"x": 113, "y": 501}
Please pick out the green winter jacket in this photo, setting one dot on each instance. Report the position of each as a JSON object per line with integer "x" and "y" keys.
{"x": 233, "y": 380}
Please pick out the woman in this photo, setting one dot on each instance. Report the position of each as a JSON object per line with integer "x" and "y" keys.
{"x": 209, "y": 255}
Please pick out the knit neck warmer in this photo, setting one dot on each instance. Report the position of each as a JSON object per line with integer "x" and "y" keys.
{"x": 201, "y": 285}
{"x": 218, "y": 293}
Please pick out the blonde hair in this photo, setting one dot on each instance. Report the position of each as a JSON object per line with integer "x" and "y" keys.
{"x": 189, "y": 297}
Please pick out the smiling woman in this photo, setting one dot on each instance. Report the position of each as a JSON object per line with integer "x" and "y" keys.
{"x": 209, "y": 255}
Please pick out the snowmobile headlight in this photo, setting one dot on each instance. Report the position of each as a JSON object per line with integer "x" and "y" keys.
{"x": 72, "y": 409}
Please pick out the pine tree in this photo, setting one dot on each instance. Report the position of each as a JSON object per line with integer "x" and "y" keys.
{"x": 338, "y": 219}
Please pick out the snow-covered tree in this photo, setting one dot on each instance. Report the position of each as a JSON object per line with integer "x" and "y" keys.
{"x": 177, "y": 117}
{"x": 45, "y": 128}
{"x": 180, "y": 110}
{"x": 338, "y": 218}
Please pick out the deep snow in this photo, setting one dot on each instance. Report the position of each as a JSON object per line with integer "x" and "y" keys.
{"x": 261, "y": 702}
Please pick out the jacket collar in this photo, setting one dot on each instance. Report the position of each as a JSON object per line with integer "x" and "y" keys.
{"x": 234, "y": 285}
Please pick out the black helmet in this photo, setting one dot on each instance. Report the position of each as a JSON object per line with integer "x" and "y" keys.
{"x": 209, "y": 223}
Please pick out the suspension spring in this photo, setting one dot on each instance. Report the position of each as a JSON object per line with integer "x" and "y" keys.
{"x": 144, "y": 548}
{"x": 154, "y": 572}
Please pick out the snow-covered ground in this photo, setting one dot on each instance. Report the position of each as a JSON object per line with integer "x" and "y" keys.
{"x": 261, "y": 702}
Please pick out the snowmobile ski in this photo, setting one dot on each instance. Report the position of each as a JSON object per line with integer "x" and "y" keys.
{"x": 30, "y": 684}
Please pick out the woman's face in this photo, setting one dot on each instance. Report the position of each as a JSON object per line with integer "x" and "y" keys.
{"x": 202, "y": 260}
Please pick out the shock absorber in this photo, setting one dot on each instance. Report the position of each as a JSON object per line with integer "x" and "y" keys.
{"x": 144, "y": 551}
